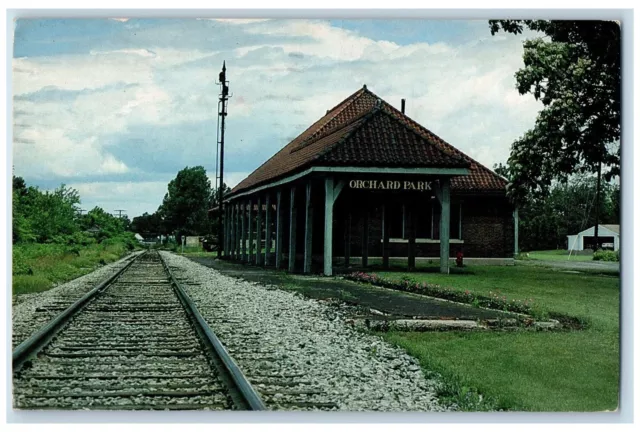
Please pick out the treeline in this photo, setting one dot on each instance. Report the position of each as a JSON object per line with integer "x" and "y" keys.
{"x": 568, "y": 208}
{"x": 54, "y": 218}
{"x": 184, "y": 209}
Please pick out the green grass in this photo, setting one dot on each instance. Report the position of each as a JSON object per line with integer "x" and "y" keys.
{"x": 560, "y": 255}
{"x": 560, "y": 371}
{"x": 39, "y": 267}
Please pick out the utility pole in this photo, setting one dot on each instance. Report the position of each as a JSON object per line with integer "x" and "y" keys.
{"x": 222, "y": 114}
{"x": 120, "y": 213}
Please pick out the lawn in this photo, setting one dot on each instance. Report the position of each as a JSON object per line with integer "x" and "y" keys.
{"x": 39, "y": 267}
{"x": 560, "y": 255}
{"x": 561, "y": 371}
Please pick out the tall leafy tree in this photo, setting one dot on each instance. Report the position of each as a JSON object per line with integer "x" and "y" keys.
{"x": 574, "y": 70}
{"x": 50, "y": 214}
{"x": 185, "y": 205}
{"x": 568, "y": 209}
{"x": 147, "y": 224}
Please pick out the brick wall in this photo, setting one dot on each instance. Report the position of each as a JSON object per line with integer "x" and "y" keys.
{"x": 487, "y": 228}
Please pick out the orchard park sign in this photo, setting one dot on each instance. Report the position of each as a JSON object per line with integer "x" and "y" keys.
{"x": 406, "y": 185}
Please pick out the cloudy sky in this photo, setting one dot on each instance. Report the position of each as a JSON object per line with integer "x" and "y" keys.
{"x": 116, "y": 107}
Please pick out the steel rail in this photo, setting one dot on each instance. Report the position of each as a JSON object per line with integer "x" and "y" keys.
{"x": 246, "y": 396}
{"x": 31, "y": 346}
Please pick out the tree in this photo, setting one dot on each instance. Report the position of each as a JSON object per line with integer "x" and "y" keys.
{"x": 108, "y": 224}
{"x": 575, "y": 72}
{"x": 185, "y": 205}
{"x": 501, "y": 170}
{"x": 45, "y": 215}
{"x": 147, "y": 224}
{"x": 568, "y": 209}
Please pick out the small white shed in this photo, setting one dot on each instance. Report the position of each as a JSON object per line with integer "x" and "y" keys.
{"x": 608, "y": 235}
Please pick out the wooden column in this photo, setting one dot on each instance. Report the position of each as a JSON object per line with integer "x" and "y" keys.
{"x": 238, "y": 232}
{"x": 308, "y": 230}
{"x": 385, "y": 237}
{"x": 515, "y": 232}
{"x": 293, "y": 214}
{"x": 279, "y": 230}
{"x": 347, "y": 240}
{"x": 227, "y": 232}
{"x": 243, "y": 236}
{"x": 331, "y": 192}
{"x": 267, "y": 230}
{"x": 365, "y": 238}
{"x": 250, "y": 233}
{"x": 411, "y": 232}
{"x": 232, "y": 214}
{"x": 445, "y": 218}
{"x": 328, "y": 226}
{"x": 259, "y": 233}
{"x": 230, "y": 231}
{"x": 222, "y": 242}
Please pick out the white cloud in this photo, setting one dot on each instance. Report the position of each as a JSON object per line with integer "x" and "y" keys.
{"x": 138, "y": 52}
{"x": 463, "y": 92}
{"x": 41, "y": 154}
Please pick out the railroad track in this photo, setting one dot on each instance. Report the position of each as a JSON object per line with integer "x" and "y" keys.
{"x": 58, "y": 300}
{"x": 135, "y": 342}
{"x": 281, "y": 383}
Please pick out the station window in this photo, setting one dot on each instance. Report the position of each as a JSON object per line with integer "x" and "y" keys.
{"x": 427, "y": 220}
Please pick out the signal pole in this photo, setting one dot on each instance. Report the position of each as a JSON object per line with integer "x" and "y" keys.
{"x": 222, "y": 113}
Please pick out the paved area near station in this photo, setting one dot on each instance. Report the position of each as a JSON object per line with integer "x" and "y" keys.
{"x": 395, "y": 303}
{"x": 578, "y": 266}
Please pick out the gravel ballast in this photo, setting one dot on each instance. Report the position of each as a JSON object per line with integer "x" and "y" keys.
{"x": 132, "y": 347}
{"x": 32, "y": 311}
{"x": 277, "y": 336}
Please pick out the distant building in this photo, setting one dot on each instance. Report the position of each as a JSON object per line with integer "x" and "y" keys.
{"x": 193, "y": 241}
{"x": 608, "y": 237}
{"x": 138, "y": 237}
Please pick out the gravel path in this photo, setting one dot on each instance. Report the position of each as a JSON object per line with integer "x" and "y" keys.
{"x": 276, "y": 334}
{"x": 32, "y": 311}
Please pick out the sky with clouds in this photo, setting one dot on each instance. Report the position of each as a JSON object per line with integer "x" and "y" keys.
{"x": 116, "y": 107}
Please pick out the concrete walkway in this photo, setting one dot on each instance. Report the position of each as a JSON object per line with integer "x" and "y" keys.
{"x": 396, "y": 303}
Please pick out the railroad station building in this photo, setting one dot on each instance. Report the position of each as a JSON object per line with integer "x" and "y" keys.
{"x": 367, "y": 182}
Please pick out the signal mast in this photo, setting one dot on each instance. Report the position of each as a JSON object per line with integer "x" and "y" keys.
{"x": 222, "y": 113}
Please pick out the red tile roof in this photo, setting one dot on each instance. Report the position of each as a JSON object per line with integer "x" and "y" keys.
{"x": 364, "y": 130}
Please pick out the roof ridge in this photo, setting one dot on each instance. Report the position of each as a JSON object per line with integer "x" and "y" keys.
{"x": 412, "y": 129}
{"x": 371, "y": 114}
{"x": 317, "y": 137}
{"x": 345, "y": 103}
{"x": 353, "y": 95}
{"x": 363, "y": 119}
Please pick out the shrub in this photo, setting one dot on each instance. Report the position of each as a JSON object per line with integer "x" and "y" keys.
{"x": 20, "y": 267}
{"x": 606, "y": 255}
